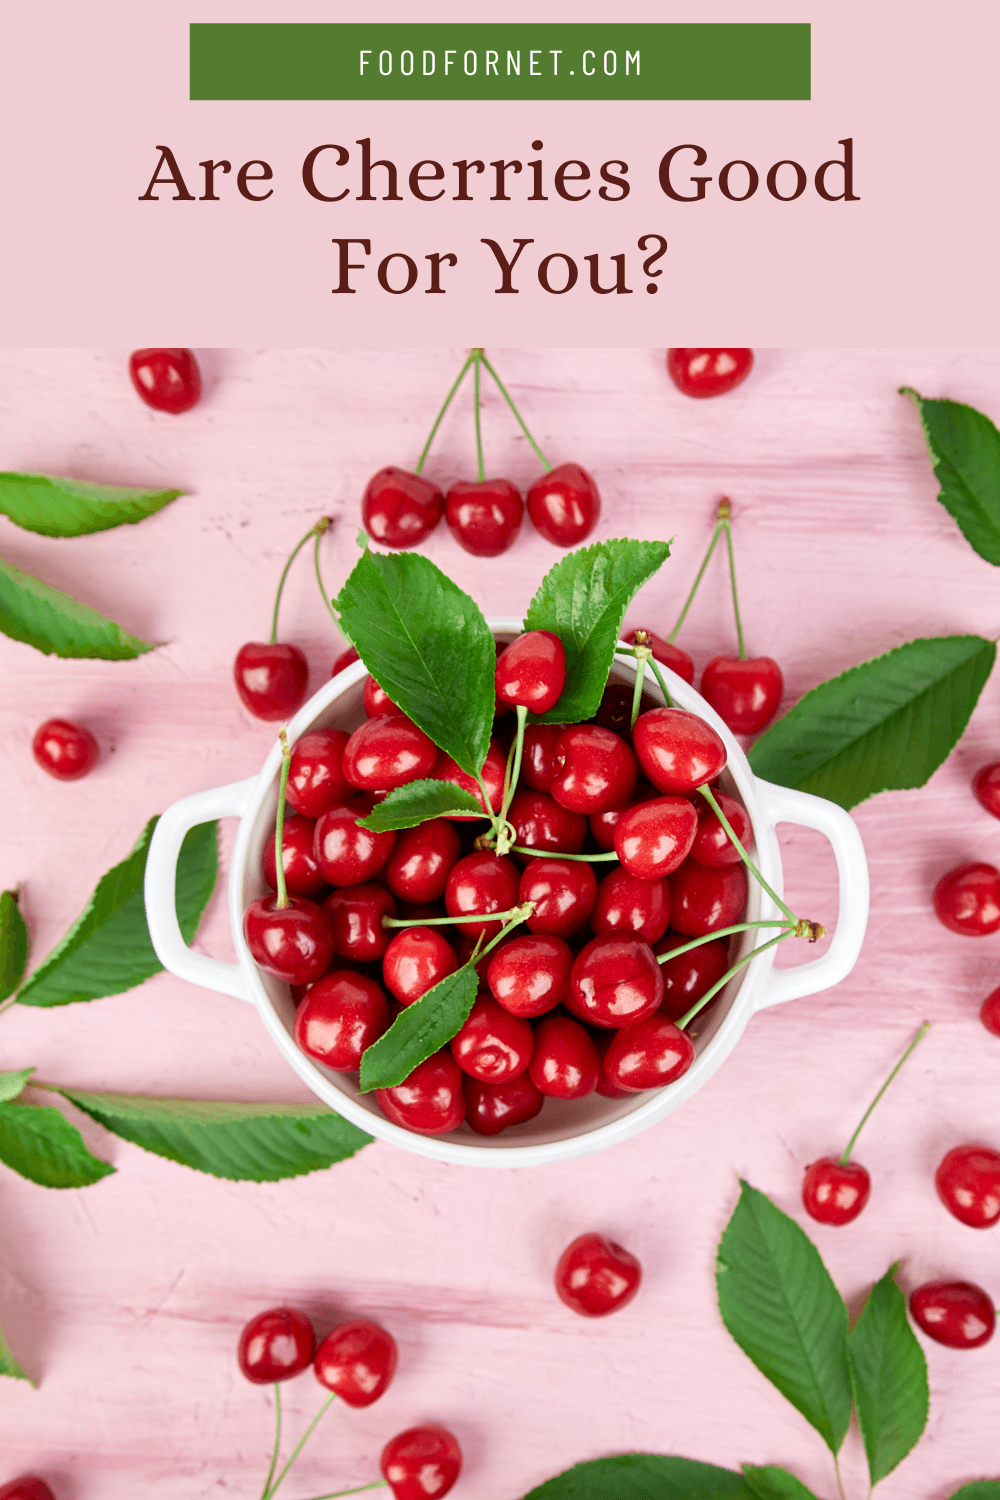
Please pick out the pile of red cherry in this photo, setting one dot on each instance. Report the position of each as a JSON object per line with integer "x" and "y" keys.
{"x": 576, "y": 1004}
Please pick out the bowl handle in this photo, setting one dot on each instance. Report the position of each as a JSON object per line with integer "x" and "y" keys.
{"x": 782, "y": 805}
{"x": 161, "y": 871}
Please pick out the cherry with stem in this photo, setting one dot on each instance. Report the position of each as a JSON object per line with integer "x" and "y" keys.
{"x": 744, "y": 691}
{"x": 271, "y": 678}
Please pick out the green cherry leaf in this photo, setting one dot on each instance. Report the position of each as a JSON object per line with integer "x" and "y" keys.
{"x": 54, "y": 506}
{"x": 108, "y": 948}
{"x": 52, "y": 622}
{"x": 13, "y": 944}
{"x": 883, "y": 726}
{"x": 9, "y": 1365}
{"x": 240, "y": 1142}
{"x": 643, "y": 1476}
{"x": 11, "y": 1084}
{"x": 414, "y": 803}
{"x": 420, "y": 1030}
{"x": 889, "y": 1378}
{"x": 427, "y": 645}
{"x": 583, "y": 600}
{"x": 772, "y": 1483}
{"x": 40, "y": 1143}
{"x": 964, "y": 448}
{"x": 780, "y": 1305}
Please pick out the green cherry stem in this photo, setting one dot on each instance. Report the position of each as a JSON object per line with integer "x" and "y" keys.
{"x": 864, "y": 1118}
{"x": 642, "y": 655}
{"x": 440, "y": 416}
{"x": 358, "y": 1489}
{"x": 477, "y": 361}
{"x": 301, "y": 1443}
{"x": 510, "y": 787}
{"x": 721, "y": 983}
{"x": 322, "y": 525}
{"x": 516, "y": 914}
{"x": 634, "y": 651}
{"x": 277, "y": 1441}
{"x": 709, "y": 796}
{"x": 279, "y": 825}
{"x": 708, "y": 937}
{"x": 521, "y": 422}
{"x": 727, "y": 527}
{"x": 594, "y": 859}
{"x": 694, "y": 587}
{"x": 319, "y": 579}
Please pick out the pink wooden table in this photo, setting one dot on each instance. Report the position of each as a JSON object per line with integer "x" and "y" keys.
{"x": 125, "y": 1299}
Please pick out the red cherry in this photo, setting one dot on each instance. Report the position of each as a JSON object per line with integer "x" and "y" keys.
{"x": 745, "y": 694}
{"x": 430, "y": 1101}
{"x": 968, "y": 1184}
{"x": 654, "y": 838}
{"x": 376, "y": 701}
{"x": 615, "y": 981}
{"x": 596, "y": 1277}
{"x": 702, "y": 901}
{"x": 419, "y": 866}
{"x": 399, "y": 509}
{"x": 615, "y": 709}
{"x": 275, "y": 1345}
{"x": 484, "y": 516}
{"x": 529, "y": 975}
{"x": 421, "y": 1463}
{"x": 603, "y": 825}
{"x": 564, "y": 892}
{"x": 708, "y": 372}
{"x": 564, "y": 1064}
{"x": 387, "y": 752}
{"x": 340, "y": 1016}
{"x": 835, "y": 1192}
{"x": 967, "y": 900}
{"x": 564, "y": 505}
{"x": 294, "y": 943}
{"x": 532, "y": 671}
{"x": 712, "y": 845}
{"x": 303, "y": 876}
{"x": 989, "y": 1012}
{"x": 627, "y": 904}
{"x": 678, "y": 751}
{"x": 346, "y": 853}
{"x": 986, "y": 785}
{"x": 357, "y": 1361}
{"x": 594, "y": 770}
{"x": 316, "y": 774}
{"x": 492, "y": 1107}
{"x": 648, "y": 1055}
{"x": 540, "y": 823}
{"x": 956, "y": 1313}
{"x": 494, "y": 769}
{"x": 167, "y": 379}
{"x": 344, "y": 660}
{"x": 271, "y": 679}
{"x": 28, "y": 1488}
{"x": 538, "y": 755}
{"x": 66, "y": 750}
{"x": 356, "y": 912}
{"x": 481, "y": 882}
{"x": 670, "y": 655}
{"x": 493, "y": 1045}
{"x": 687, "y": 978}
{"x": 416, "y": 959}
{"x": 605, "y": 1087}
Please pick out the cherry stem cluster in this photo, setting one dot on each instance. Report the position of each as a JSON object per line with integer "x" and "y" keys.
{"x": 477, "y": 360}
{"x": 864, "y": 1118}
{"x": 279, "y": 823}
{"x": 271, "y": 1488}
{"x": 323, "y": 524}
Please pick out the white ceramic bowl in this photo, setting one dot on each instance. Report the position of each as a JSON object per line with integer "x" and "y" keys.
{"x": 563, "y": 1129}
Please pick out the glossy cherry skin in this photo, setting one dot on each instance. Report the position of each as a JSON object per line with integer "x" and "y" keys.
{"x": 294, "y": 943}
{"x": 494, "y": 767}
{"x": 275, "y": 1345}
{"x": 626, "y": 904}
{"x": 64, "y": 749}
{"x": 596, "y": 1277}
{"x": 316, "y": 780}
{"x": 968, "y": 1184}
{"x": 615, "y": 981}
{"x": 538, "y": 755}
{"x": 564, "y": 892}
{"x": 303, "y": 876}
{"x": 481, "y": 882}
{"x": 654, "y": 838}
{"x": 421, "y": 1463}
{"x": 492, "y": 1107}
{"x": 28, "y": 1488}
{"x": 167, "y": 379}
{"x": 615, "y": 709}
{"x": 986, "y": 785}
{"x": 594, "y": 770}
{"x": 745, "y": 694}
{"x": 712, "y": 845}
{"x": 530, "y": 975}
{"x": 708, "y": 372}
{"x": 666, "y": 652}
{"x": 416, "y": 959}
{"x": 540, "y": 823}
{"x": 835, "y": 1192}
{"x": 648, "y": 1055}
{"x": 346, "y": 658}
{"x": 340, "y": 1016}
{"x": 956, "y": 1313}
{"x": 687, "y": 978}
{"x": 967, "y": 900}
{"x": 386, "y": 752}
{"x": 271, "y": 679}
{"x": 419, "y": 866}
{"x": 357, "y": 1361}
{"x": 564, "y": 505}
{"x": 678, "y": 751}
{"x": 356, "y": 912}
{"x": 430, "y": 1101}
{"x": 346, "y": 853}
{"x": 399, "y": 509}
{"x": 603, "y": 825}
{"x": 484, "y": 516}
{"x": 702, "y": 901}
{"x": 531, "y": 671}
{"x": 989, "y": 1012}
{"x": 493, "y": 1045}
{"x": 565, "y": 1063}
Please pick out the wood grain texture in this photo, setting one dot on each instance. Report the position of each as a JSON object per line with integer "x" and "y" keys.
{"x": 125, "y": 1299}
